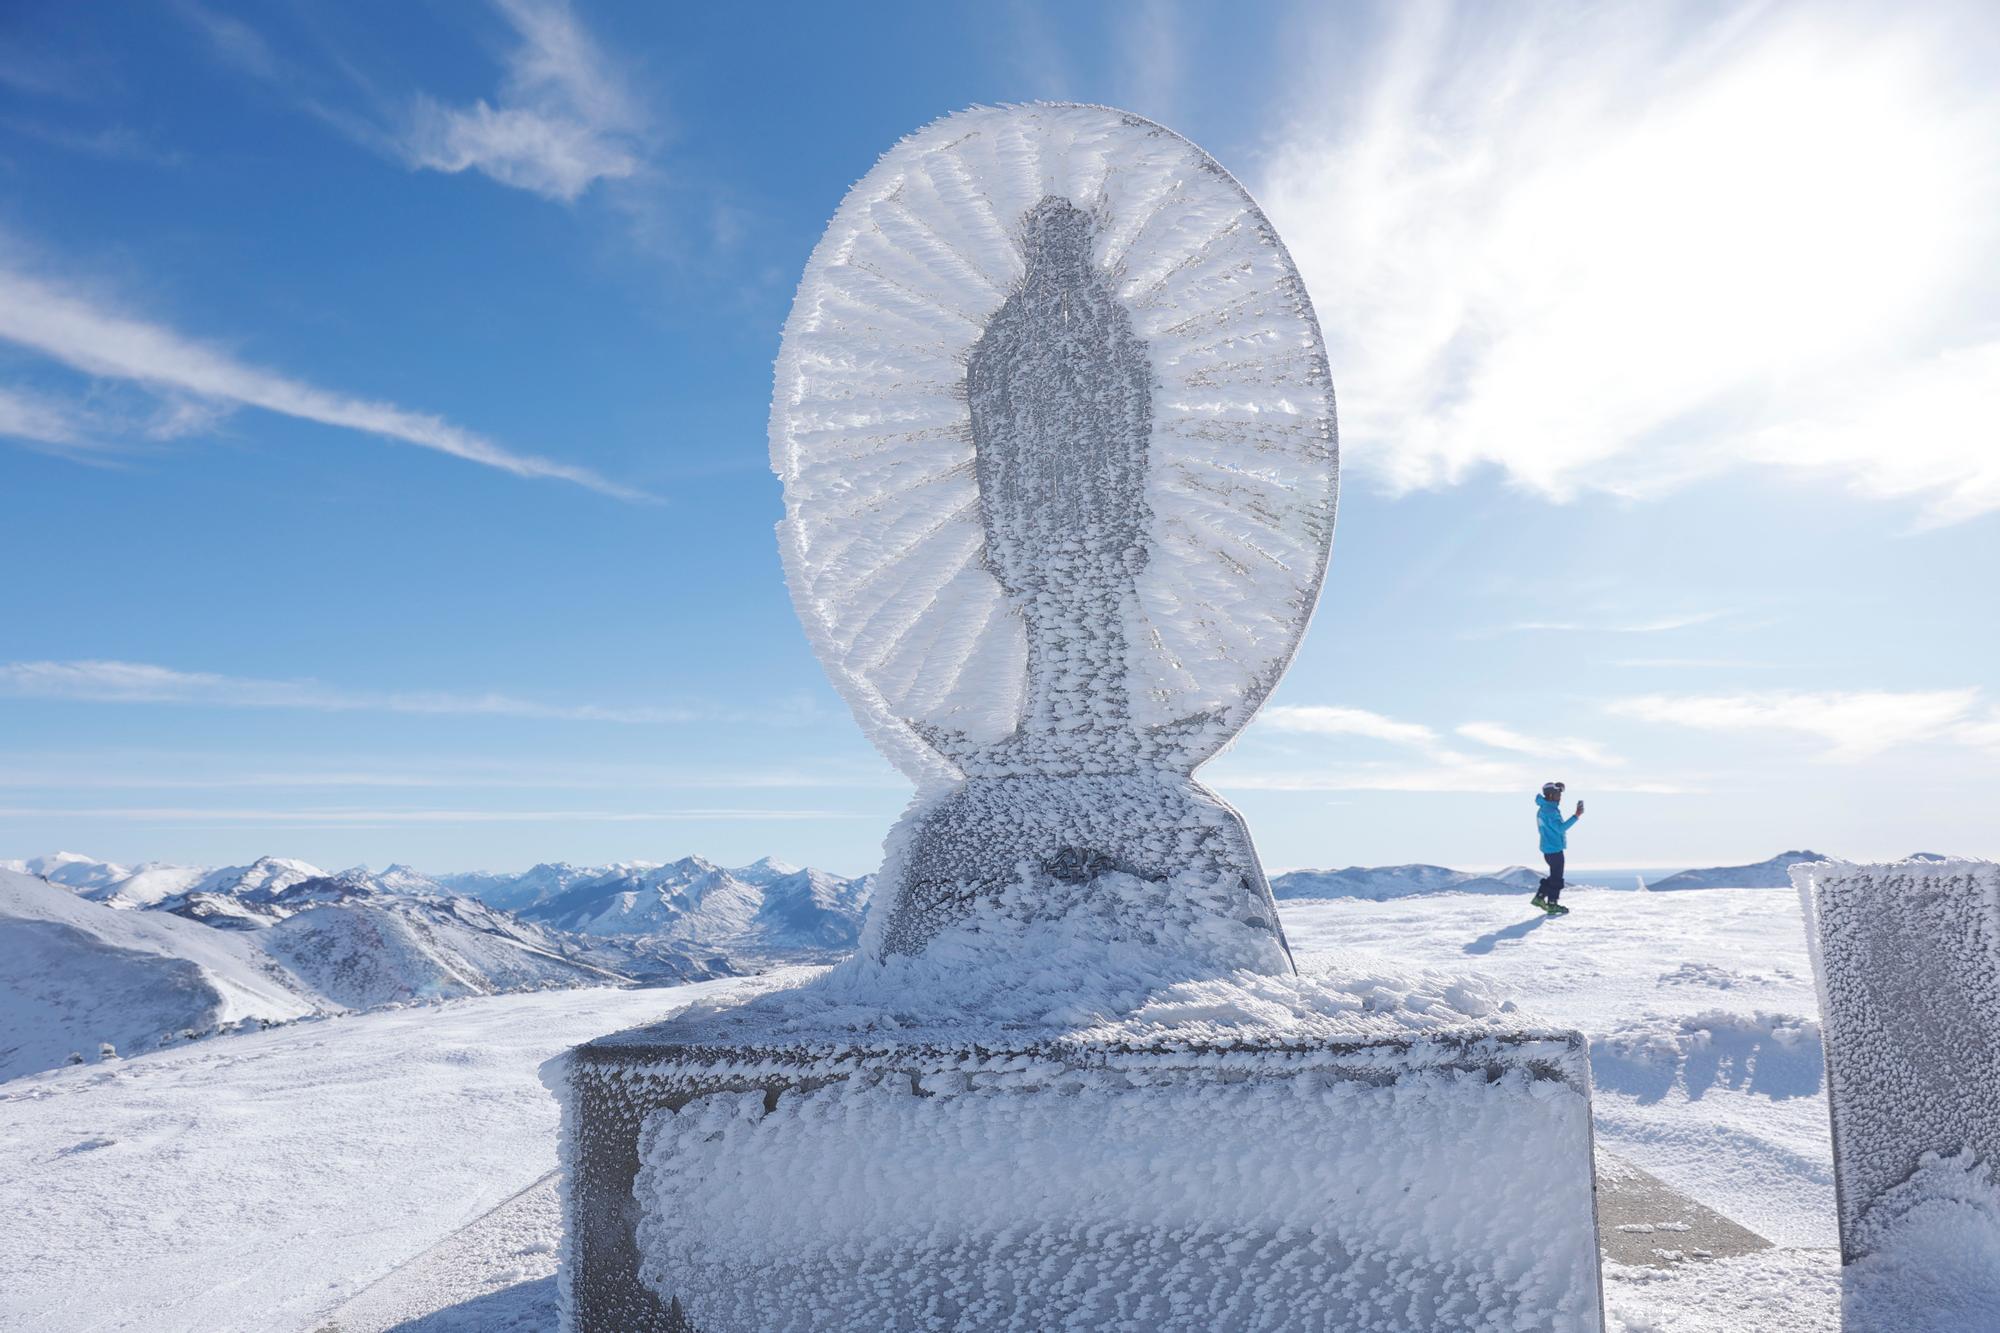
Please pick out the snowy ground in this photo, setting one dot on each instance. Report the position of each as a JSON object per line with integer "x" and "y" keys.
{"x": 265, "y": 1181}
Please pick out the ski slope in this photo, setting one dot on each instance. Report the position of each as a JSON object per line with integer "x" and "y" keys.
{"x": 260, "y": 1183}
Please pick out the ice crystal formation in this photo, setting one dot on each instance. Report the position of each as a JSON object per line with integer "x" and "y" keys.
{"x": 1057, "y": 438}
{"x": 1907, "y": 956}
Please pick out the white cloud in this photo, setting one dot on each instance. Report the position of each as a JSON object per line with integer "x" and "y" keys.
{"x": 141, "y": 682}
{"x": 1856, "y": 723}
{"x": 1324, "y": 720}
{"x": 1599, "y": 247}
{"x": 1506, "y": 738}
{"x": 67, "y": 327}
{"x": 562, "y": 120}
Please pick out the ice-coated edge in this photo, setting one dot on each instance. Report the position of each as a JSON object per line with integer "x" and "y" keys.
{"x": 556, "y": 1075}
{"x": 931, "y": 771}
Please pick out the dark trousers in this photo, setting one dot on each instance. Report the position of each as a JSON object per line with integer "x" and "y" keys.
{"x": 1552, "y": 883}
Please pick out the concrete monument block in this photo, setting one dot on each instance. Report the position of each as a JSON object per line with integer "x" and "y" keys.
{"x": 1346, "y": 1168}
{"x": 1056, "y": 432}
{"x": 1907, "y": 957}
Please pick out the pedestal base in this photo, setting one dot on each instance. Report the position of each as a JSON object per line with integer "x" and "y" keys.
{"x": 722, "y": 1184}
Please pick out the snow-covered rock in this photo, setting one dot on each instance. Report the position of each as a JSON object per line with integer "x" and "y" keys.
{"x": 1775, "y": 873}
{"x": 77, "y": 974}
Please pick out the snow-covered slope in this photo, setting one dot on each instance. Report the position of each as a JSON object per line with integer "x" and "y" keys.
{"x": 367, "y": 947}
{"x": 75, "y": 974}
{"x": 147, "y": 885}
{"x": 72, "y": 870}
{"x": 1380, "y": 883}
{"x": 1775, "y": 873}
{"x": 304, "y": 1163}
{"x": 809, "y": 913}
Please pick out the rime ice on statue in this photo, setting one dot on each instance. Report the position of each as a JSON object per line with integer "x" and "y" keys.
{"x": 1056, "y": 432}
{"x": 1908, "y": 962}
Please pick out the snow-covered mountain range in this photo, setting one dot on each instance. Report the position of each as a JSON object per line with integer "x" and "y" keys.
{"x": 94, "y": 952}
{"x": 1384, "y": 882}
{"x": 98, "y": 953}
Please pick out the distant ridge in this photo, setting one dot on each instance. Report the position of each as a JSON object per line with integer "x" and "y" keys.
{"x": 1772, "y": 874}
{"x": 1379, "y": 883}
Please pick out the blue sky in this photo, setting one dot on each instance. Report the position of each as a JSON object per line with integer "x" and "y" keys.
{"x": 383, "y": 393}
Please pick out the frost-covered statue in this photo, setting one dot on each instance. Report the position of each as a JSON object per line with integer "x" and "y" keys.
{"x": 1057, "y": 438}
{"x": 1057, "y": 441}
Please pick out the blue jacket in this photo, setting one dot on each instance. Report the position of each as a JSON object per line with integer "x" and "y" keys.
{"x": 1554, "y": 828}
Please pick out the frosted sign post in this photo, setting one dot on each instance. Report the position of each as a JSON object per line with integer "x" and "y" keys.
{"x": 1907, "y": 957}
{"x": 1056, "y": 431}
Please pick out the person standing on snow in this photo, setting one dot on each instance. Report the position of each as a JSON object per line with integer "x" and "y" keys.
{"x": 1549, "y": 822}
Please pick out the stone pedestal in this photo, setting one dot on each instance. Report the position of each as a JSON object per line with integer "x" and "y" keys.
{"x": 1908, "y": 962}
{"x": 723, "y": 1177}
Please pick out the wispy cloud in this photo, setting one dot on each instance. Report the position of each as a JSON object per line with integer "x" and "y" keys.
{"x": 1608, "y": 625}
{"x": 1856, "y": 724}
{"x": 1439, "y": 767}
{"x": 562, "y": 119}
{"x": 1456, "y": 773}
{"x": 1730, "y": 663}
{"x": 235, "y": 41}
{"x": 86, "y": 335}
{"x": 144, "y": 683}
{"x": 97, "y": 770}
{"x": 42, "y": 420}
{"x": 1603, "y": 248}
{"x": 1151, "y": 52}
{"x": 1326, "y": 720}
{"x": 1542, "y": 747}
{"x": 365, "y": 818}
{"x": 115, "y": 143}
